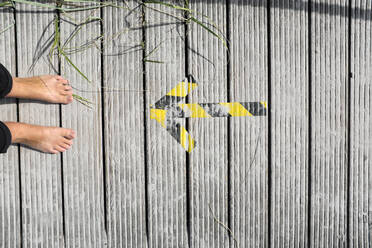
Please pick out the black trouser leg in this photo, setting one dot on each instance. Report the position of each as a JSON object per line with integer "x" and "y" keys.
{"x": 6, "y": 83}
{"x": 5, "y": 138}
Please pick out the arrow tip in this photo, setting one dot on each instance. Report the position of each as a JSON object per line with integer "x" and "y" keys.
{"x": 182, "y": 89}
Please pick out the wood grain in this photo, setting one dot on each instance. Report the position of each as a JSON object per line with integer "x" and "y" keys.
{"x": 166, "y": 157}
{"x": 207, "y": 63}
{"x": 83, "y": 163}
{"x": 329, "y": 78}
{"x": 249, "y": 136}
{"x": 123, "y": 163}
{"x": 124, "y": 125}
{"x": 10, "y": 212}
{"x": 360, "y": 211}
{"x": 40, "y": 173}
{"x": 290, "y": 123}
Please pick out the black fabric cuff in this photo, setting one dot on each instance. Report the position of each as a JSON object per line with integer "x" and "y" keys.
{"x": 5, "y": 138}
{"x": 6, "y": 81}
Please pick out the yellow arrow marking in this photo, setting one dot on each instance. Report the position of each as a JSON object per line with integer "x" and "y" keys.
{"x": 196, "y": 110}
{"x": 265, "y": 104}
{"x": 159, "y": 115}
{"x": 184, "y": 137}
{"x": 236, "y": 109}
{"x": 182, "y": 89}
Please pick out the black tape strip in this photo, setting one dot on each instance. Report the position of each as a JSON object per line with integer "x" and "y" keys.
{"x": 166, "y": 100}
{"x": 255, "y": 108}
{"x": 215, "y": 109}
{"x": 173, "y": 127}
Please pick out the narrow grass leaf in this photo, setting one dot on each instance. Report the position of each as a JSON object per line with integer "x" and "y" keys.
{"x": 83, "y": 100}
{"x": 75, "y": 67}
{"x": 6, "y": 4}
{"x": 154, "y": 50}
{"x": 168, "y": 5}
{"x": 209, "y": 30}
{"x": 153, "y": 61}
{"x": 7, "y": 28}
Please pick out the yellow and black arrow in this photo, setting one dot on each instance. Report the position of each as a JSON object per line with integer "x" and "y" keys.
{"x": 168, "y": 111}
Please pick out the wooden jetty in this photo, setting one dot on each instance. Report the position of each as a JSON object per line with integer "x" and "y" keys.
{"x": 297, "y": 177}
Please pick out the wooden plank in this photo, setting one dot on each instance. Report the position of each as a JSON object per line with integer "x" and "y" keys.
{"x": 10, "y": 215}
{"x": 329, "y": 80}
{"x": 83, "y": 164}
{"x": 290, "y": 123}
{"x": 166, "y": 157}
{"x": 208, "y": 162}
{"x": 249, "y": 136}
{"x": 360, "y": 211}
{"x": 40, "y": 173}
{"x": 124, "y": 128}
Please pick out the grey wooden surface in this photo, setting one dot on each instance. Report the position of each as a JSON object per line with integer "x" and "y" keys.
{"x": 83, "y": 167}
{"x": 207, "y": 62}
{"x": 10, "y": 217}
{"x": 360, "y": 211}
{"x": 329, "y": 135}
{"x": 40, "y": 174}
{"x": 290, "y": 123}
{"x": 298, "y": 177}
{"x": 248, "y": 154}
{"x": 124, "y": 105}
{"x": 166, "y": 159}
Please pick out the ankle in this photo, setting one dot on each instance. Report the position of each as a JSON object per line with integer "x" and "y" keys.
{"x": 20, "y": 131}
{"x": 18, "y": 88}
{"x": 15, "y": 130}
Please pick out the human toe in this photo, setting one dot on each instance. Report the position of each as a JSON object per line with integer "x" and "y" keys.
{"x": 61, "y": 88}
{"x": 65, "y": 146}
{"x": 67, "y": 88}
{"x": 68, "y": 99}
{"x": 68, "y": 142}
{"x": 60, "y": 149}
{"x": 51, "y": 150}
{"x": 54, "y": 151}
{"x": 69, "y": 134}
{"x": 64, "y": 81}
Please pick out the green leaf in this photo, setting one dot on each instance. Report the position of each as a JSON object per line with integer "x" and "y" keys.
{"x": 209, "y": 30}
{"x": 73, "y": 65}
{"x": 153, "y": 61}
{"x": 168, "y": 5}
{"x": 83, "y": 100}
{"x": 7, "y": 28}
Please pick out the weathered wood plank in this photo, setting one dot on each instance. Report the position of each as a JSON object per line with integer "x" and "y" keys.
{"x": 249, "y": 136}
{"x": 124, "y": 126}
{"x": 360, "y": 211}
{"x": 166, "y": 158}
{"x": 10, "y": 215}
{"x": 40, "y": 173}
{"x": 208, "y": 162}
{"x": 290, "y": 123}
{"x": 83, "y": 164}
{"x": 329, "y": 78}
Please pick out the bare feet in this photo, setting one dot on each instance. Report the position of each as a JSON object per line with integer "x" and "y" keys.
{"x": 49, "y": 88}
{"x": 45, "y": 139}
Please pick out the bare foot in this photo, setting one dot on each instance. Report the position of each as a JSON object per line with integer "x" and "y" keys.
{"x": 49, "y": 88}
{"x": 45, "y": 139}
